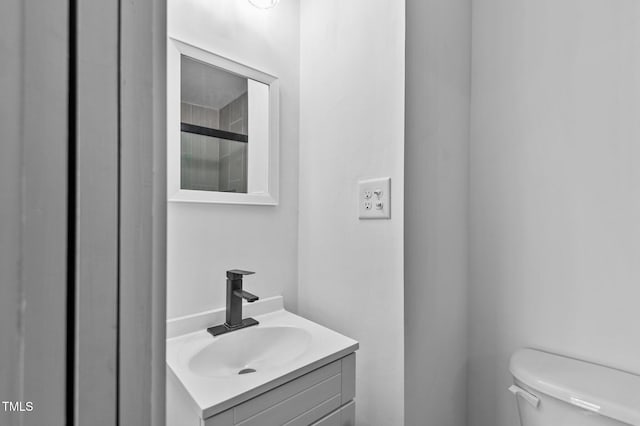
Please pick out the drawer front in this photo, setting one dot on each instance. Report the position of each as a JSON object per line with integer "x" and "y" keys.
{"x": 345, "y": 416}
{"x": 332, "y": 419}
{"x": 316, "y": 412}
{"x": 295, "y": 406}
{"x": 300, "y": 402}
{"x": 284, "y": 392}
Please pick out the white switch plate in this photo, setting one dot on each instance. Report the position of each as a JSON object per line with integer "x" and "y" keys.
{"x": 374, "y": 198}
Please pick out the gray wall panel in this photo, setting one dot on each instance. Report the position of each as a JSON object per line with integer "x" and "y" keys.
{"x": 438, "y": 49}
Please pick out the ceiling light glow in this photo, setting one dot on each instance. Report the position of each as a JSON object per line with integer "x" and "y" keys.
{"x": 264, "y": 4}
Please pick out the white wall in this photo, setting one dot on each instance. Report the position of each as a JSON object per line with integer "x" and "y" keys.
{"x": 555, "y": 205}
{"x": 436, "y": 192}
{"x": 351, "y": 126}
{"x": 204, "y": 240}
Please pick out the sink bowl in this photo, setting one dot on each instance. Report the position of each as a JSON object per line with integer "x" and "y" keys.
{"x": 252, "y": 350}
{"x": 282, "y": 347}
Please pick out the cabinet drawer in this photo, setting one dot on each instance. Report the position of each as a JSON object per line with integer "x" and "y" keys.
{"x": 308, "y": 385}
{"x": 316, "y": 412}
{"x": 345, "y": 416}
{"x": 297, "y": 405}
{"x": 300, "y": 402}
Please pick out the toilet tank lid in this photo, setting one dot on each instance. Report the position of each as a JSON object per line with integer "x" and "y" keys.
{"x": 612, "y": 393}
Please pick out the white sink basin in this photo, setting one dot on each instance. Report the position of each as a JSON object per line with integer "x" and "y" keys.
{"x": 254, "y": 349}
{"x": 282, "y": 347}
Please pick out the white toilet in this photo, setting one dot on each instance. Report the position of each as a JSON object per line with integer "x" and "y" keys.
{"x": 553, "y": 390}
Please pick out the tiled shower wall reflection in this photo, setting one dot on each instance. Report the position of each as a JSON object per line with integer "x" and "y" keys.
{"x": 200, "y": 155}
{"x": 233, "y": 155}
{"x": 213, "y": 164}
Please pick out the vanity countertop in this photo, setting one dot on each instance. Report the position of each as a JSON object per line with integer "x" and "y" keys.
{"x": 193, "y": 364}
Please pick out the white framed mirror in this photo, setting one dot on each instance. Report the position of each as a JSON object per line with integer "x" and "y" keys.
{"x": 222, "y": 129}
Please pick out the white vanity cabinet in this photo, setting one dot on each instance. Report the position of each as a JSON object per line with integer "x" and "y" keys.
{"x": 284, "y": 371}
{"x": 322, "y": 397}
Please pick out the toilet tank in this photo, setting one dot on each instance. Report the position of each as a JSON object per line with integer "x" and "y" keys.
{"x": 553, "y": 390}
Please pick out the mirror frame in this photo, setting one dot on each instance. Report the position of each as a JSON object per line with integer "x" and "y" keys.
{"x": 176, "y": 48}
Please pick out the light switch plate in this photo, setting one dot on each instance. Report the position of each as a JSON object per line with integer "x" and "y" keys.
{"x": 374, "y": 198}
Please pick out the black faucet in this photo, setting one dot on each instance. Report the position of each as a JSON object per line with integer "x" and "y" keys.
{"x": 235, "y": 294}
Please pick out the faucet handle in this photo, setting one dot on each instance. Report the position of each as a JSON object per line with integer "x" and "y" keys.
{"x": 237, "y": 274}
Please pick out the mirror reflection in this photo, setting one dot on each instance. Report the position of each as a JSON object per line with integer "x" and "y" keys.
{"x": 214, "y": 138}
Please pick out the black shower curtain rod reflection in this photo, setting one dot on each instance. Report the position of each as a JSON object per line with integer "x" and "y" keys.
{"x": 214, "y": 133}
